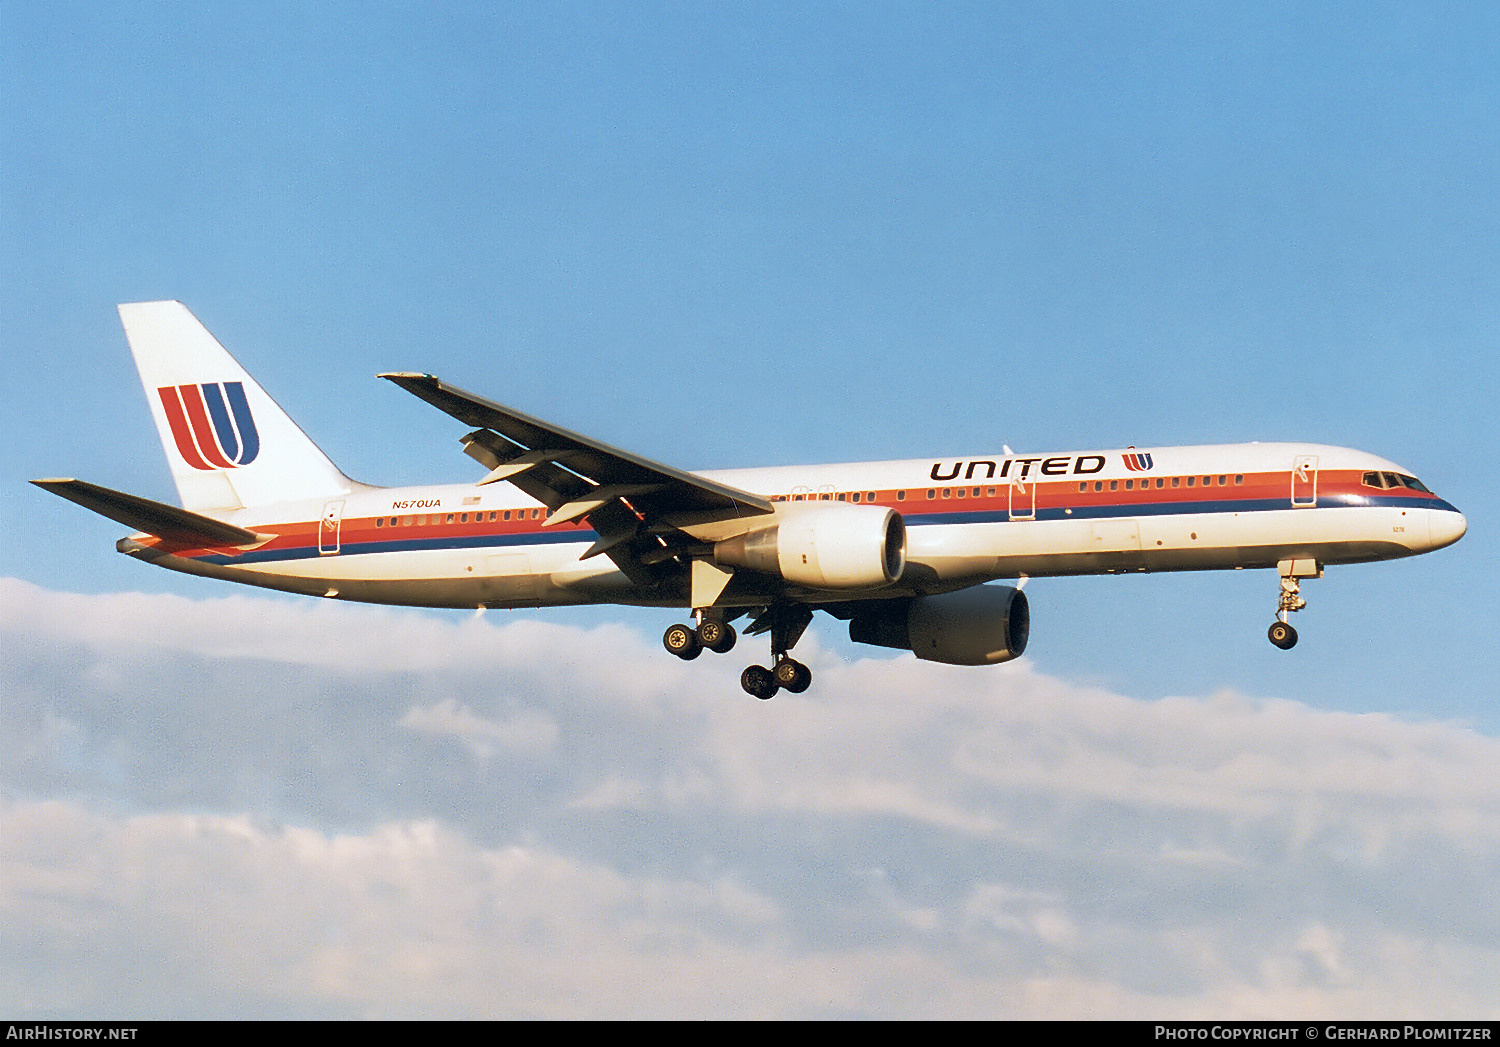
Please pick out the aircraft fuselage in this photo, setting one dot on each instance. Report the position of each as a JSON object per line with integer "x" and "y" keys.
{"x": 968, "y": 520}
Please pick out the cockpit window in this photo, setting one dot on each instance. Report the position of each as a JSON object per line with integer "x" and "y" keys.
{"x": 1387, "y": 481}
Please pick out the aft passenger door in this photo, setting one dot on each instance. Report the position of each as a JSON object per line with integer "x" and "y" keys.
{"x": 1305, "y": 481}
{"x": 328, "y": 529}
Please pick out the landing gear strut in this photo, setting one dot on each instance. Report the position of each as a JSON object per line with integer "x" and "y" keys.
{"x": 1292, "y": 572}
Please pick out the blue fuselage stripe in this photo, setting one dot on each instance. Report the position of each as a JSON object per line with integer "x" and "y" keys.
{"x": 948, "y": 517}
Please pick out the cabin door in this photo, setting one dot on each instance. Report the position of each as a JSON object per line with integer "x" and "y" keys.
{"x": 1305, "y": 481}
{"x": 329, "y": 527}
{"x": 1022, "y": 498}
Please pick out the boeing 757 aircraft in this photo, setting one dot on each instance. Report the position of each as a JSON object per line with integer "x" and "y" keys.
{"x": 902, "y": 551}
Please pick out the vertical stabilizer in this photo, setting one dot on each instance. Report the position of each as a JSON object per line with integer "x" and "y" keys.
{"x": 229, "y": 444}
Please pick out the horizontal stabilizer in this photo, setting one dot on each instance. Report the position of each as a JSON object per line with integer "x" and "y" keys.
{"x": 164, "y": 521}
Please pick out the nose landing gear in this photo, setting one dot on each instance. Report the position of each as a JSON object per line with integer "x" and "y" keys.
{"x": 1292, "y": 572}
{"x": 1282, "y": 635}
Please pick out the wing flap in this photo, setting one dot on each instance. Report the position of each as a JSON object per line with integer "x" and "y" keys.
{"x": 167, "y": 522}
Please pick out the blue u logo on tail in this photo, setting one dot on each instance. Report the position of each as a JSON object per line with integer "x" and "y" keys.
{"x": 211, "y": 424}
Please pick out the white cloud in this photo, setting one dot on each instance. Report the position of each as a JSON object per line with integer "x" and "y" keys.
{"x": 527, "y": 731}
{"x": 259, "y": 806}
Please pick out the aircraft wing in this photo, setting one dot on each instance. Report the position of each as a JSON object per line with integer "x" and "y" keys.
{"x": 636, "y": 506}
{"x": 167, "y": 522}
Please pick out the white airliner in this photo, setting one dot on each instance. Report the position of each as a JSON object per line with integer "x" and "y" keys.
{"x": 901, "y": 550}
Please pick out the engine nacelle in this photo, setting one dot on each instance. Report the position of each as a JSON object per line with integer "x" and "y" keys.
{"x": 824, "y": 545}
{"x": 980, "y": 626}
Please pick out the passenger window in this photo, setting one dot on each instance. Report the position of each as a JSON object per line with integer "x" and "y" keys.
{"x": 900, "y": 496}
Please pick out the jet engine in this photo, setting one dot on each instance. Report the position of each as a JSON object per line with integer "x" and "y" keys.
{"x": 980, "y": 626}
{"x": 824, "y": 545}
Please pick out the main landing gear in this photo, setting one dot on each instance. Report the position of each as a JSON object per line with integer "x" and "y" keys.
{"x": 687, "y": 643}
{"x": 1292, "y": 572}
{"x": 787, "y": 674}
{"x": 785, "y": 623}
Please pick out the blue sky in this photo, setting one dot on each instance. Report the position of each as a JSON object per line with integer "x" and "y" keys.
{"x": 757, "y": 235}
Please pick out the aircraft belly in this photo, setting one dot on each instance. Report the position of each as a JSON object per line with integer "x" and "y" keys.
{"x": 427, "y": 578}
{"x": 1174, "y": 542}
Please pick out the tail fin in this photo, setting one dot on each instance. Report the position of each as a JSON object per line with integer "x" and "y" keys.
{"x": 229, "y": 445}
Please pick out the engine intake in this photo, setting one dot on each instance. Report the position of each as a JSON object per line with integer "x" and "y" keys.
{"x": 824, "y": 545}
{"x": 984, "y": 625}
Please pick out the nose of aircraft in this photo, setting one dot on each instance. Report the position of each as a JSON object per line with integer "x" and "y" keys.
{"x": 1445, "y": 526}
